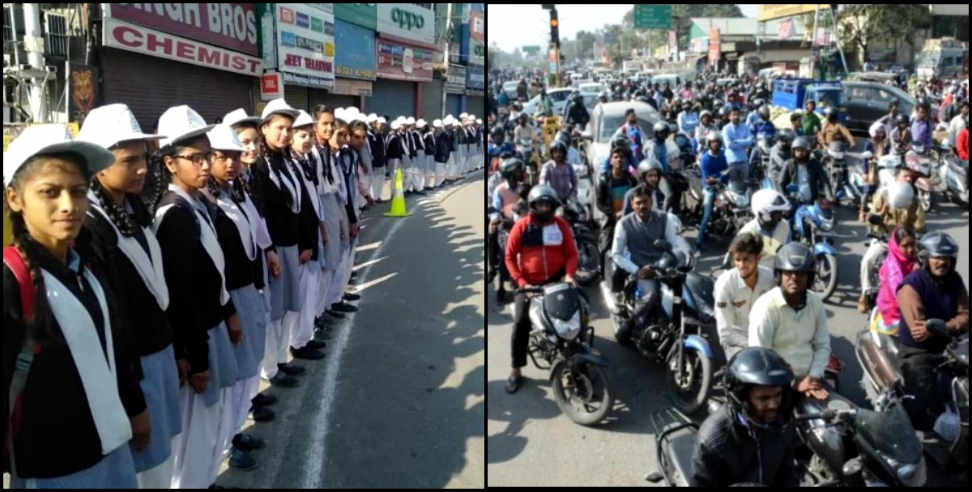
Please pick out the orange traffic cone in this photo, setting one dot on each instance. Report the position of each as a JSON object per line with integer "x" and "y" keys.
{"x": 398, "y": 198}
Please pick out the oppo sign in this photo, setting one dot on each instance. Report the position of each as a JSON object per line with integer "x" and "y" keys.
{"x": 406, "y": 19}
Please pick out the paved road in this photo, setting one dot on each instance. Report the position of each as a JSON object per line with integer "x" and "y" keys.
{"x": 531, "y": 443}
{"x": 398, "y": 401}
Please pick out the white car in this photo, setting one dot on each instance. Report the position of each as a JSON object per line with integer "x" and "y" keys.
{"x": 606, "y": 118}
{"x": 510, "y": 89}
{"x": 592, "y": 87}
{"x": 558, "y": 98}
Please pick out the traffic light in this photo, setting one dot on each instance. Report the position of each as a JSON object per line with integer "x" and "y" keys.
{"x": 554, "y": 32}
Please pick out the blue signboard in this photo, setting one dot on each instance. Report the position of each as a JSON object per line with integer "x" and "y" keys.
{"x": 475, "y": 78}
{"x": 354, "y": 47}
{"x": 464, "y": 44}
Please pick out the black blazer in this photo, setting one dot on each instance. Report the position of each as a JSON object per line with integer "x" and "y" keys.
{"x": 377, "y": 144}
{"x": 396, "y": 148}
{"x": 443, "y": 147}
{"x": 275, "y": 202}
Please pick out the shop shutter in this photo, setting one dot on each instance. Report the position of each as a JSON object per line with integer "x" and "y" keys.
{"x": 432, "y": 100}
{"x": 150, "y": 85}
{"x": 392, "y": 98}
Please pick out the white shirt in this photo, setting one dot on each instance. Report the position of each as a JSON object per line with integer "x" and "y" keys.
{"x": 800, "y": 337}
{"x": 771, "y": 243}
{"x": 734, "y": 300}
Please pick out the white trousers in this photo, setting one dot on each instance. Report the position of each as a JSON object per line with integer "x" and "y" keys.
{"x": 377, "y": 184}
{"x": 324, "y": 283}
{"x": 268, "y": 368}
{"x": 339, "y": 279}
{"x": 159, "y": 477}
{"x": 302, "y": 330}
{"x": 195, "y": 449}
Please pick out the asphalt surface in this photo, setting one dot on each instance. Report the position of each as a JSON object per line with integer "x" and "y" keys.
{"x": 529, "y": 441}
{"x": 398, "y": 400}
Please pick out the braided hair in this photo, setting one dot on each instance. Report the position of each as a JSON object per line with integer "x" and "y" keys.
{"x": 117, "y": 214}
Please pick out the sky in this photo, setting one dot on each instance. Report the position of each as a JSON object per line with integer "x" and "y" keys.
{"x": 511, "y": 25}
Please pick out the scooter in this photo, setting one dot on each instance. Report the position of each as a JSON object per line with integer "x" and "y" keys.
{"x": 918, "y": 159}
{"x": 951, "y": 178}
{"x": 875, "y": 266}
{"x": 676, "y": 336}
{"x": 562, "y": 337}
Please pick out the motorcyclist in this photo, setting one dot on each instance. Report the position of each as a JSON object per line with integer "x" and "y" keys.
{"x": 576, "y": 113}
{"x": 539, "y": 250}
{"x": 558, "y": 174}
{"x": 649, "y": 174}
{"x": 921, "y": 128}
{"x": 792, "y": 321}
{"x": 957, "y": 123}
{"x": 521, "y": 90}
{"x": 962, "y": 143}
{"x": 833, "y": 131}
{"x": 754, "y": 116}
{"x": 504, "y": 198}
{"x": 890, "y": 120}
{"x": 634, "y": 251}
{"x": 935, "y": 290}
{"x": 879, "y": 146}
{"x": 769, "y": 207}
{"x": 619, "y": 141}
{"x": 737, "y": 289}
{"x": 573, "y": 155}
{"x": 612, "y": 187}
{"x": 633, "y": 132}
{"x": 902, "y": 259}
{"x": 713, "y": 164}
{"x": 779, "y": 154}
{"x": 900, "y": 136}
{"x": 706, "y": 126}
{"x": 804, "y": 171}
{"x": 748, "y": 440}
{"x": 663, "y": 150}
{"x": 688, "y": 121}
{"x": 525, "y": 133}
{"x": 737, "y": 140}
{"x": 796, "y": 124}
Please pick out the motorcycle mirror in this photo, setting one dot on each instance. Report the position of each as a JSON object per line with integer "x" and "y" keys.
{"x": 852, "y": 466}
{"x": 875, "y": 219}
{"x": 936, "y": 327}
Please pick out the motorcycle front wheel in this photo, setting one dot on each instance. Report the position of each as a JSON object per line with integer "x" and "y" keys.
{"x": 589, "y": 267}
{"x": 691, "y": 382}
{"x": 585, "y": 395}
{"x": 825, "y": 280}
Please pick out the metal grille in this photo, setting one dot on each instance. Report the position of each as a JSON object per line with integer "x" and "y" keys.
{"x": 55, "y": 36}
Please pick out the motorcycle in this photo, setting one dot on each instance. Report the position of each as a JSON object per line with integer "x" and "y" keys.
{"x": 562, "y": 337}
{"x": 730, "y": 209}
{"x": 675, "y": 337}
{"x": 857, "y": 186}
{"x": 813, "y": 225}
{"x": 918, "y": 158}
{"x": 524, "y": 147}
{"x": 585, "y": 236}
{"x": 951, "y": 178}
{"x": 846, "y": 181}
{"x": 759, "y": 159}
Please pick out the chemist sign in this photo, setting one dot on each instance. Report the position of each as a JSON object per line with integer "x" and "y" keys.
{"x": 305, "y": 44}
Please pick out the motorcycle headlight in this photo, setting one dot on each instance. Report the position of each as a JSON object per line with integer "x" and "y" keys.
{"x": 569, "y": 329}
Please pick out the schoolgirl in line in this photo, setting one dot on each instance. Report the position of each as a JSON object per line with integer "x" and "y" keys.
{"x": 331, "y": 186}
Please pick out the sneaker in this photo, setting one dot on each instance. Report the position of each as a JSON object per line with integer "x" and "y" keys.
{"x": 334, "y": 314}
{"x": 344, "y": 307}
{"x": 242, "y": 460}
{"x": 284, "y": 381}
{"x": 247, "y": 442}
{"x": 261, "y": 414}
{"x": 291, "y": 369}
{"x": 263, "y": 400}
{"x": 314, "y": 344}
{"x": 306, "y": 353}
{"x": 351, "y": 297}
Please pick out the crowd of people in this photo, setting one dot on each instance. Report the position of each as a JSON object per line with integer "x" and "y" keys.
{"x": 771, "y": 326}
{"x": 155, "y": 279}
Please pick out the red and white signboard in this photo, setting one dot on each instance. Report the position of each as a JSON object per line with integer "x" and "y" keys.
{"x": 125, "y": 36}
{"x": 271, "y": 86}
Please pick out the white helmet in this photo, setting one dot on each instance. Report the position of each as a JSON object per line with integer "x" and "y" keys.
{"x": 767, "y": 201}
{"x": 900, "y": 194}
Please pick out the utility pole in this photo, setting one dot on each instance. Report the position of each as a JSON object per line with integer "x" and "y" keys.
{"x": 448, "y": 31}
{"x": 34, "y": 44}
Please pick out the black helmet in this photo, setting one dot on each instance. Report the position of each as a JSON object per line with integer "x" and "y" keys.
{"x": 756, "y": 366}
{"x": 564, "y": 136}
{"x": 794, "y": 257}
{"x": 900, "y": 119}
{"x": 558, "y": 144}
{"x": 785, "y": 136}
{"x": 621, "y": 141}
{"x": 800, "y": 142}
{"x": 938, "y": 244}
{"x": 511, "y": 166}
{"x": 764, "y": 112}
{"x": 543, "y": 193}
{"x": 498, "y": 133}
{"x": 660, "y": 129}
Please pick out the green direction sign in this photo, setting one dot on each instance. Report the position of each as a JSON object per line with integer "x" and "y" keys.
{"x": 531, "y": 50}
{"x": 652, "y": 16}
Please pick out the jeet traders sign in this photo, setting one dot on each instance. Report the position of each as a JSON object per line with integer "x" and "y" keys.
{"x": 305, "y": 44}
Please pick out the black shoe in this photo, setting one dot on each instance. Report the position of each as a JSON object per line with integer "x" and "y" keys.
{"x": 354, "y": 274}
{"x": 322, "y": 336}
{"x": 491, "y": 275}
{"x": 314, "y": 345}
{"x": 247, "y": 442}
{"x": 306, "y": 353}
{"x": 284, "y": 380}
{"x": 291, "y": 369}
{"x": 319, "y": 322}
{"x": 344, "y": 307}
{"x": 263, "y": 400}
{"x": 242, "y": 460}
{"x": 334, "y": 314}
{"x": 261, "y": 414}
{"x": 351, "y": 297}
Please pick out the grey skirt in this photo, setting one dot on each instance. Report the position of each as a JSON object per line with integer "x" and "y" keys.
{"x": 250, "y": 310}
{"x": 332, "y": 222}
{"x": 223, "y": 370}
{"x": 115, "y": 471}
{"x": 285, "y": 289}
{"x": 160, "y": 385}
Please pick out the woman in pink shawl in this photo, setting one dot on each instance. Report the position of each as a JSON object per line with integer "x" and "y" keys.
{"x": 902, "y": 259}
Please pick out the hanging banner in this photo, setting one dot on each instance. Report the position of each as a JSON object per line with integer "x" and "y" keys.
{"x": 475, "y": 78}
{"x": 714, "y": 45}
{"x": 305, "y": 44}
{"x": 477, "y": 52}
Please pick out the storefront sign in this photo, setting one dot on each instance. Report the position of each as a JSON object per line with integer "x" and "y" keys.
{"x": 714, "y": 48}
{"x": 228, "y": 25}
{"x": 475, "y": 77}
{"x": 351, "y": 87}
{"x": 271, "y": 86}
{"x": 407, "y": 21}
{"x": 305, "y": 42}
{"x": 361, "y": 14}
{"x": 125, "y": 36}
{"x": 477, "y": 52}
{"x": 476, "y": 25}
{"x": 404, "y": 62}
{"x": 305, "y": 81}
{"x": 356, "y": 58}
{"x": 457, "y": 79}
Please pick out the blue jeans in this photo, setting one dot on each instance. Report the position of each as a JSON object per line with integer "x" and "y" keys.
{"x": 708, "y": 196}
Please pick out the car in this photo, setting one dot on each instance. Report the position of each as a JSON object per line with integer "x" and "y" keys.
{"x": 593, "y": 87}
{"x": 868, "y": 101}
{"x": 672, "y": 79}
{"x": 510, "y": 89}
{"x": 558, "y": 97}
{"x": 606, "y": 118}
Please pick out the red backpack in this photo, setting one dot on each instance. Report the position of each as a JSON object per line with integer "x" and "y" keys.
{"x": 16, "y": 264}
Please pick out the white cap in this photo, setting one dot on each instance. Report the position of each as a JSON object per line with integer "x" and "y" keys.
{"x": 339, "y": 114}
{"x": 48, "y": 139}
{"x": 382, "y": 120}
{"x": 359, "y": 117}
{"x": 410, "y": 121}
{"x": 238, "y": 115}
{"x": 222, "y": 137}
{"x": 420, "y": 123}
{"x": 278, "y": 106}
{"x": 437, "y": 123}
{"x": 479, "y": 121}
{"x": 179, "y": 123}
{"x": 303, "y": 119}
{"x": 396, "y": 124}
{"x": 463, "y": 114}
{"x": 111, "y": 124}
{"x": 372, "y": 118}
